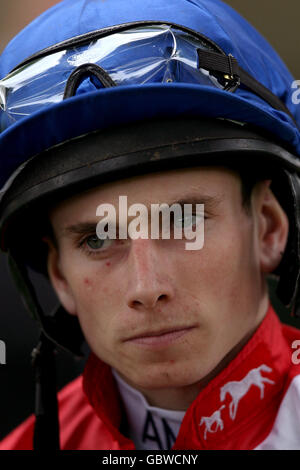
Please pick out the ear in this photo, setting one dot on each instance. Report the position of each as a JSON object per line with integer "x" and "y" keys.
{"x": 273, "y": 225}
{"x": 58, "y": 281}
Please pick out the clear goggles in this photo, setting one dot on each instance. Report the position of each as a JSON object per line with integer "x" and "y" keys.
{"x": 132, "y": 54}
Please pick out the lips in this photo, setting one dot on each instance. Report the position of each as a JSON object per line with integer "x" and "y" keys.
{"x": 161, "y": 337}
{"x": 159, "y": 332}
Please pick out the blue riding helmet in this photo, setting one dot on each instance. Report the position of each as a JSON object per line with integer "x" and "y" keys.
{"x": 156, "y": 76}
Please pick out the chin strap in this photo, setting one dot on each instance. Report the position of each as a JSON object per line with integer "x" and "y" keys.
{"x": 288, "y": 290}
{"x": 46, "y": 430}
{"x": 57, "y": 330}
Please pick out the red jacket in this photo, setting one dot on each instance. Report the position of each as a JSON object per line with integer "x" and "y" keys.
{"x": 254, "y": 403}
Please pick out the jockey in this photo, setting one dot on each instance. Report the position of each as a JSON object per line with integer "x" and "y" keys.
{"x": 108, "y": 110}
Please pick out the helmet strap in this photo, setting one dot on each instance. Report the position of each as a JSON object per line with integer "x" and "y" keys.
{"x": 46, "y": 430}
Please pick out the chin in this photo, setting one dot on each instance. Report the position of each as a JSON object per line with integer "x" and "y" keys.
{"x": 165, "y": 376}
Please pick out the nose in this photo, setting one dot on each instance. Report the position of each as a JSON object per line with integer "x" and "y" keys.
{"x": 148, "y": 282}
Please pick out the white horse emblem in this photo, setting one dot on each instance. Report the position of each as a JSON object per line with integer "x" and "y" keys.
{"x": 209, "y": 421}
{"x": 238, "y": 390}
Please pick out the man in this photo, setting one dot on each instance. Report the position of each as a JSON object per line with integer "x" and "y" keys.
{"x": 152, "y": 102}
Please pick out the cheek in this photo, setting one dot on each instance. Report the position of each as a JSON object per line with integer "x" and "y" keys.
{"x": 88, "y": 279}
{"x": 95, "y": 310}
{"x": 97, "y": 296}
{"x": 88, "y": 284}
{"x": 92, "y": 292}
{"x": 226, "y": 264}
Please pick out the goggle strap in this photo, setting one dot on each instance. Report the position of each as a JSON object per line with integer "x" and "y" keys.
{"x": 225, "y": 64}
{"x": 264, "y": 93}
{"x": 84, "y": 71}
{"x": 229, "y": 67}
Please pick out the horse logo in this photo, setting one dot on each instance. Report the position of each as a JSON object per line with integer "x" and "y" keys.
{"x": 238, "y": 390}
{"x": 209, "y": 421}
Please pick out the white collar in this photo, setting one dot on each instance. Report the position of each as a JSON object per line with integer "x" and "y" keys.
{"x": 149, "y": 427}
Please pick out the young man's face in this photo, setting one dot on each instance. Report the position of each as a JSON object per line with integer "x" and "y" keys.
{"x": 204, "y": 301}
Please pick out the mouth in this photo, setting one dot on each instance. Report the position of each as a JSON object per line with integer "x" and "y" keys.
{"x": 161, "y": 337}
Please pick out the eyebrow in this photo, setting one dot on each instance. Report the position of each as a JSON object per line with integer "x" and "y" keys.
{"x": 83, "y": 228}
{"x": 196, "y": 199}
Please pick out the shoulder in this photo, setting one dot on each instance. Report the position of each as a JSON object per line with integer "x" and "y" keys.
{"x": 80, "y": 426}
{"x": 291, "y": 331}
{"x": 285, "y": 434}
{"x": 292, "y": 384}
{"x": 292, "y": 338}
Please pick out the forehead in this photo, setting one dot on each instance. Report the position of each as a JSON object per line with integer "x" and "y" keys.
{"x": 209, "y": 183}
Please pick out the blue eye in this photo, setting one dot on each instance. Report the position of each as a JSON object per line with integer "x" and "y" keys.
{"x": 188, "y": 221}
{"x": 94, "y": 242}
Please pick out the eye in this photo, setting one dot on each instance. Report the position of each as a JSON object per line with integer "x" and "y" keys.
{"x": 94, "y": 243}
{"x": 188, "y": 221}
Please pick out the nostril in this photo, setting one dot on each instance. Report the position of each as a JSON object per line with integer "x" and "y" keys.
{"x": 147, "y": 302}
{"x": 162, "y": 297}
